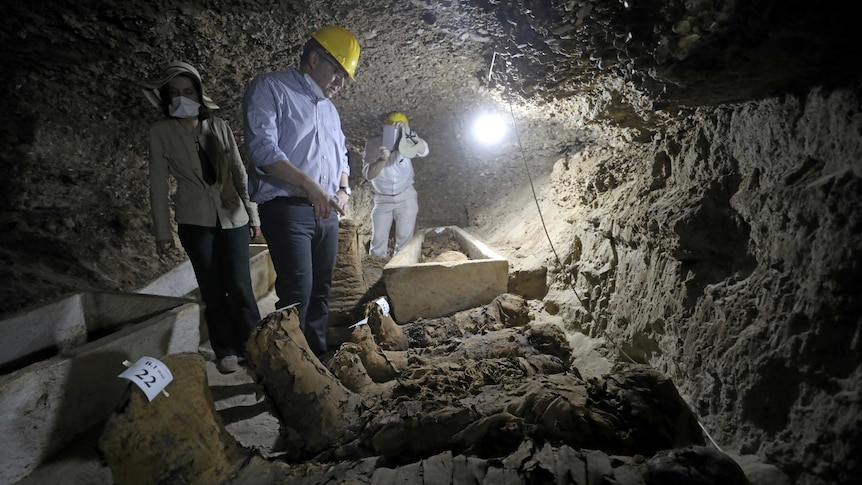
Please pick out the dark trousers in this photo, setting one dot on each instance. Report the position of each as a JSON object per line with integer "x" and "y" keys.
{"x": 220, "y": 259}
{"x": 303, "y": 251}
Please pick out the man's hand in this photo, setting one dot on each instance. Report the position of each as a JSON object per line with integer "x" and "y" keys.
{"x": 383, "y": 154}
{"x": 320, "y": 200}
{"x": 343, "y": 199}
{"x": 287, "y": 172}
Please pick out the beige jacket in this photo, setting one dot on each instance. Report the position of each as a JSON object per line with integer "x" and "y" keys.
{"x": 173, "y": 152}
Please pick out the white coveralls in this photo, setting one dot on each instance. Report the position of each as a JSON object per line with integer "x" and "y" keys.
{"x": 395, "y": 199}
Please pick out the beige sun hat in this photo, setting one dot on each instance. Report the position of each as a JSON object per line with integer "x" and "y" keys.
{"x": 170, "y": 71}
{"x": 408, "y": 144}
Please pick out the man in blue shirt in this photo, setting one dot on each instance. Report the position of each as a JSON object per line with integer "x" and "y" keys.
{"x": 298, "y": 173}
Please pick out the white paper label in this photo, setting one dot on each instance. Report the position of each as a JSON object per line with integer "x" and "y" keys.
{"x": 364, "y": 321}
{"x": 150, "y": 375}
{"x": 383, "y": 304}
{"x": 288, "y": 307}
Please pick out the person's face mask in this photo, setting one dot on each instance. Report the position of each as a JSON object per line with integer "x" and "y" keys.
{"x": 183, "y": 107}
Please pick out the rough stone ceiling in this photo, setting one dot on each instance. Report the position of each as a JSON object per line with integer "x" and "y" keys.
{"x": 620, "y": 59}
{"x": 679, "y": 52}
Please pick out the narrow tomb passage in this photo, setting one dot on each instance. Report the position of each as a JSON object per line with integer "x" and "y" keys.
{"x": 635, "y": 256}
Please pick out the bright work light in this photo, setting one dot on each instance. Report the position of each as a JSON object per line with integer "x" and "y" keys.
{"x": 489, "y": 128}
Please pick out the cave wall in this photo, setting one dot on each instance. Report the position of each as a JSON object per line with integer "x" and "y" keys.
{"x": 724, "y": 253}
{"x": 774, "y": 346}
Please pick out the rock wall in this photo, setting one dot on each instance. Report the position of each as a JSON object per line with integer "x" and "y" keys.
{"x": 724, "y": 254}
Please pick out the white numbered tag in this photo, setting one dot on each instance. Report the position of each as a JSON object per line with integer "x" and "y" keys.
{"x": 383, "y": 304}
{"x": 150, "y": 375}
{"x": 287, "y": 307}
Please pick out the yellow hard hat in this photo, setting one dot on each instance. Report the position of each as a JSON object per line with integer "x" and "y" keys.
{"x": 341, "y": 45}
{"x": 395, "y": 116}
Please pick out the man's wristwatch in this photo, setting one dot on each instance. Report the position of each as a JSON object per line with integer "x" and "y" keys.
{"x": 345, "y": 189}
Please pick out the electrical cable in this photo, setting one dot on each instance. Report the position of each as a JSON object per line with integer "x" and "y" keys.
{"x": 551, "y": 243}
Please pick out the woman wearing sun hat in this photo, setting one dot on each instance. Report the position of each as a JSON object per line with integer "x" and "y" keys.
{"x": 215, "y": 218}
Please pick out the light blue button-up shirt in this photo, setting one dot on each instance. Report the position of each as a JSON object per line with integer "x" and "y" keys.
{"x": 286, "y": 118}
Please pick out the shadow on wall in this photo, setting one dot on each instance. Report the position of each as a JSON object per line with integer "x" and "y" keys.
{"x": 713, "y": 241}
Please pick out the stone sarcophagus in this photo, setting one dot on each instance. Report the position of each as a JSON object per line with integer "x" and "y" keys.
{"x": 441, "y": 271}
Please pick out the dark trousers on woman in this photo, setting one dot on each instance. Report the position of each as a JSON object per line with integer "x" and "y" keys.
{"x": 220, "y": 259}
{"x": 303, "y": 251}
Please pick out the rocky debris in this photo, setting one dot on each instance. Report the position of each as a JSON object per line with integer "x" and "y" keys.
{"x": 530, "y": 283}
{"x": 531, "y": 463}
{"x": 172, "y": 439}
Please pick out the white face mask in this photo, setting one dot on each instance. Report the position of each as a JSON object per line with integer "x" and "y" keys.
{"x": 183, "y": 107}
